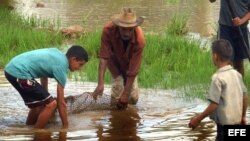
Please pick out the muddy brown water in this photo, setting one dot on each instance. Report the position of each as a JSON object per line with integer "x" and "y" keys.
{"x": 92, "y": 14}
{"x": 160, "y": 115}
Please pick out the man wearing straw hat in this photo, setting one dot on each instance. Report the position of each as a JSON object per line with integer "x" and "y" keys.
{"x": 122, "y": 45}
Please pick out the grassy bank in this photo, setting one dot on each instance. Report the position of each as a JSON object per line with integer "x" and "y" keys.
{"x": 19, "y": 35}
{"x": 170, "y": 61}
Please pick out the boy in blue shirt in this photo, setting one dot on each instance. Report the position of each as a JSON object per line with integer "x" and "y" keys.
{"x": 46, "y": 63}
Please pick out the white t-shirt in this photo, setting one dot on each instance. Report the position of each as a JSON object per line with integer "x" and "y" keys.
{"x": 227, "y": 89}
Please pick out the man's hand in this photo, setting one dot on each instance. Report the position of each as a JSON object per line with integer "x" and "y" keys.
{"x": 98, "y": 91}
{"x": 123, "y": 101}
{"x": 237, "y": 21}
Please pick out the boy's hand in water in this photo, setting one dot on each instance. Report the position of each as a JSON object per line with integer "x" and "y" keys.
{"x": 244, "y": 121}
{"x": 194, "y": 122}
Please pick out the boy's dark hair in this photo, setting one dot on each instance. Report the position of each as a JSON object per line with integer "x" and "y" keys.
{"x": 223, "y": 49}
{"x": 77, "y": 51}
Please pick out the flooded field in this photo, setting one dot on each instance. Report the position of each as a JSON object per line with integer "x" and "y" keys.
{"x": 159, "y": 115}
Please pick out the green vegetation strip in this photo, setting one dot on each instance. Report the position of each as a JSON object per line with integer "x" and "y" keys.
{"x": 170, "y": 61}
{"x": 19, "y": 35}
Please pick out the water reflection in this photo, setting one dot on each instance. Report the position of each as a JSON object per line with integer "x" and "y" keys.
{"x": 45, "y": 135}
{"x": 122, "y": 126}
{"x": 42, "y": 136}
{"x": 159, "y": 115}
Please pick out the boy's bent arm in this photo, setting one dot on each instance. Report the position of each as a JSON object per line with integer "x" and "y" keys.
{"x": 246, "y": 17}
{"x": 210, "y": 108}
{"x": 44, "y": 83}
{"x": 62, "y": 108}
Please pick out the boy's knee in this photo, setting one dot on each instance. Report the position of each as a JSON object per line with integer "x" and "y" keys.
{"x": 52, "y": 104}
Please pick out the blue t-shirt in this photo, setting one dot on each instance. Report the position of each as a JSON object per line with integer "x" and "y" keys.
{"x": 48, "y": 62}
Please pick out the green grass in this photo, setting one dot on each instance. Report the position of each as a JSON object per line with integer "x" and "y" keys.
{"x": 171, "y": 1}
{"x": 177, "y": 25}
{"x": 92, "y": 42}
{"x": 19, "y": 35}
{"x": 170, "y": 60}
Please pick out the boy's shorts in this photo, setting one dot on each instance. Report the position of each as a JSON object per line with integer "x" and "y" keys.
{"x": 31, "y": 91}
{"x": 118, "y": 87}
{"x": 232, "y": 35}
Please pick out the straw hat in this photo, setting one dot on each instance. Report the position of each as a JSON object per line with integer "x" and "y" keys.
{"x": 127, "y": 18}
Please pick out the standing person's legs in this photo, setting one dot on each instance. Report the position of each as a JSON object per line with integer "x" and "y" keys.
{"x": 239, "y": 66}
{"x": 239, "y": 53}
{"x": 41, "y": 103}
{"x": 118, "y": 87}
{"x": 220, "y": 133}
